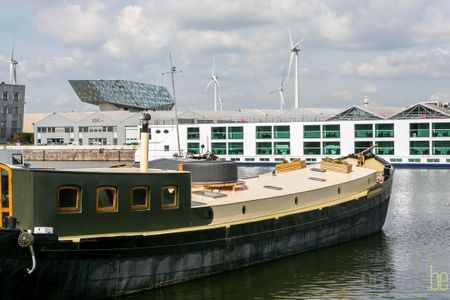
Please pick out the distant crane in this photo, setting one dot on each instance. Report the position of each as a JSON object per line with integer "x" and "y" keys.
{"x": 281, "y": 90}
{"x": 295, "y": 49}
{"x": 12, "y": 68}
{"x": 214, "y": 80}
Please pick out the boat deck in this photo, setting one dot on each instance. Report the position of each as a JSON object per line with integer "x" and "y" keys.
{"x": 281, "y": 184}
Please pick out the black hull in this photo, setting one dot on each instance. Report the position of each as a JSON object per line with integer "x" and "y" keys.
{"x": 106, "y": 267}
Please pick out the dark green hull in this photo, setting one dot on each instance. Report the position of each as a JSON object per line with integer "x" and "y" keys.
{"x": 107, "y": 267}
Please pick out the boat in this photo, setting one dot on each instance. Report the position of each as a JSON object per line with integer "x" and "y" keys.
{"x": 105, "y": 232}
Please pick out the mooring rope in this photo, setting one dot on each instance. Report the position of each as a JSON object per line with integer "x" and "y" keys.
{"x": 25, "y": 240}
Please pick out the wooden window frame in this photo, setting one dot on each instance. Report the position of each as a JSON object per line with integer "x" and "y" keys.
{"x": 106, "y": 209}
{"x": 166, "y": 206}
{"x": 146, "y": 206}
{"x": 77, "y": 208}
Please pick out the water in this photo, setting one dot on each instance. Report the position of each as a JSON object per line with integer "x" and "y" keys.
{"x": 392, "y": 264}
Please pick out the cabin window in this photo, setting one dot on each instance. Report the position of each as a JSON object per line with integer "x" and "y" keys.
{"x": 140, "y": 198}
{"x": 68, "y": 199}
{"x": 106, "y": 198}
{"x": 169, "y": 197}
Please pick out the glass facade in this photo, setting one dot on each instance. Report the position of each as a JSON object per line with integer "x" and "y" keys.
{"x": 419, "y": 130}
{"x": 331, "y": 131}
{"x": 311, "y": 148}
{"x": 264, "y": 148}
{"x": 263, "y": 132}
{"x": 219, "y": 148}
{"x": 441, "y": 147}
{"x": 441, "y": 129}
{"x": 281, "y": 132}
{"x": 384, "y": 130}
{"x": 235, "y": 148}
{"x": 363, "y": 130}
{"x": 361, "y": 146}
{"x": 193, "y": 133}
{"x": 281, "y": 148}
{"x": 331, "y": 148}
{"x": 236, "y": 133}
{"x": 419, "y": 148}
{"x": 218, "y": 133}
{"x": 193, "y": 148}
{"x": 311, "y": 132}
{"x": 384, "y": 148}
{"x": 123, "y": 93}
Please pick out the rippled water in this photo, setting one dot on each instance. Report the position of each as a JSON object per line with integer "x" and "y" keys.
{"x": 392, "y": 264}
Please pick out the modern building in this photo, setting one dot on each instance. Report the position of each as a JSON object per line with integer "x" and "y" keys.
{"x": 123, "y": 95}
{"x": 419, "y": 134}
{"x": 12, "y": 100}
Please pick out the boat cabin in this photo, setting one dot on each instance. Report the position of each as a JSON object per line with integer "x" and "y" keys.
{"x": 99, "y": 200}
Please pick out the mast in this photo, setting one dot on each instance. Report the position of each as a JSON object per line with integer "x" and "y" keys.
{"x": 172, "y": 71}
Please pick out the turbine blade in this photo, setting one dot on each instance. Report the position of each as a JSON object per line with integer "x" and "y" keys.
{"x": 274, "y": 91}
{"x": 208, "y": 85}
{"x": 290, "y": 39}
{"x": 216, "y": 81}
{"x": 212, "y": 70}
{"x": 282, "y": 79}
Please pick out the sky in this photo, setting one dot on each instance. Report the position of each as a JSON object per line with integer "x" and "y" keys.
{"x": 394, "y": 52}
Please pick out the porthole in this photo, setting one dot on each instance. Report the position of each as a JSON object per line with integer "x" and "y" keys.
{"x": 296, "y": 200}
{"x": 166, "y": 131}
{"x": 339, "y": 190}
{"x": 158, "y": 131}
{"x": 244, "y": 209}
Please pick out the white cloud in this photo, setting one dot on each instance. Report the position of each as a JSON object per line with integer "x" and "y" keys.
{"x": 434, "y": 63}
{"x": 369, "y": 89}
{"x": 75, "y": 24}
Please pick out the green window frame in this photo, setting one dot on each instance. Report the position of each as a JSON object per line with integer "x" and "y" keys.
{"x": 263, "y": 132}
{"x": 441, "y": 130}
{"x": 311, "y": 132}
{"x": 235, "y": 148}
{"x": 419, "y": 130}
{"x": 419, "y": 148}
{"x": 384, "y": 130}
{"x": 331, "y": 148}
{"x": 331, "y": 131}
{"x": 236, "y": 133}
{"x": 441, "y": 147}
{"x": 282, "y": 132}
{"x": 218, "y": 133}
{"x": 385, "y": 148}
{"x": 193, "y": 133}
{"x": 281, "y": 148}
{"x": 311, "y": 148}
{"x": 193, "y": 148}
{"x": 264, "y": 148}
{"x": 362, "y": 145}
{"x": 363, "y": 130}
{"x": 219, "y": 148}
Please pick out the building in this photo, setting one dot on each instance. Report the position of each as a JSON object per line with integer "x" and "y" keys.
{"x": 123, "y": 95}
{"x": 12, "y": 99}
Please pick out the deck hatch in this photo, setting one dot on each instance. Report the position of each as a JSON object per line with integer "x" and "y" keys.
{"x": 271, "y": 187}
{"x": 317, "y": 179}
{"x": 210, "y": 194}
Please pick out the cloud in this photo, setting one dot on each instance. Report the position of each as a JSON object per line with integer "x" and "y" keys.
{"x": 75, "y": 24}
{"x": 369, "y": 89}
{"x": 434, "y": 63}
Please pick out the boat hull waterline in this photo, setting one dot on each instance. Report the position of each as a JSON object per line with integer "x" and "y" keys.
{"x": 112, "y": 266}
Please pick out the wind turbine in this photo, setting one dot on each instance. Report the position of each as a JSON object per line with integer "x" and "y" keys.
{"x": 295, "y": 49}
{"x": 214, "y": 80}
{"x": 220, "y": 100}
{"x": 281, "y": 90}
{"x": 12, "y": 68}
